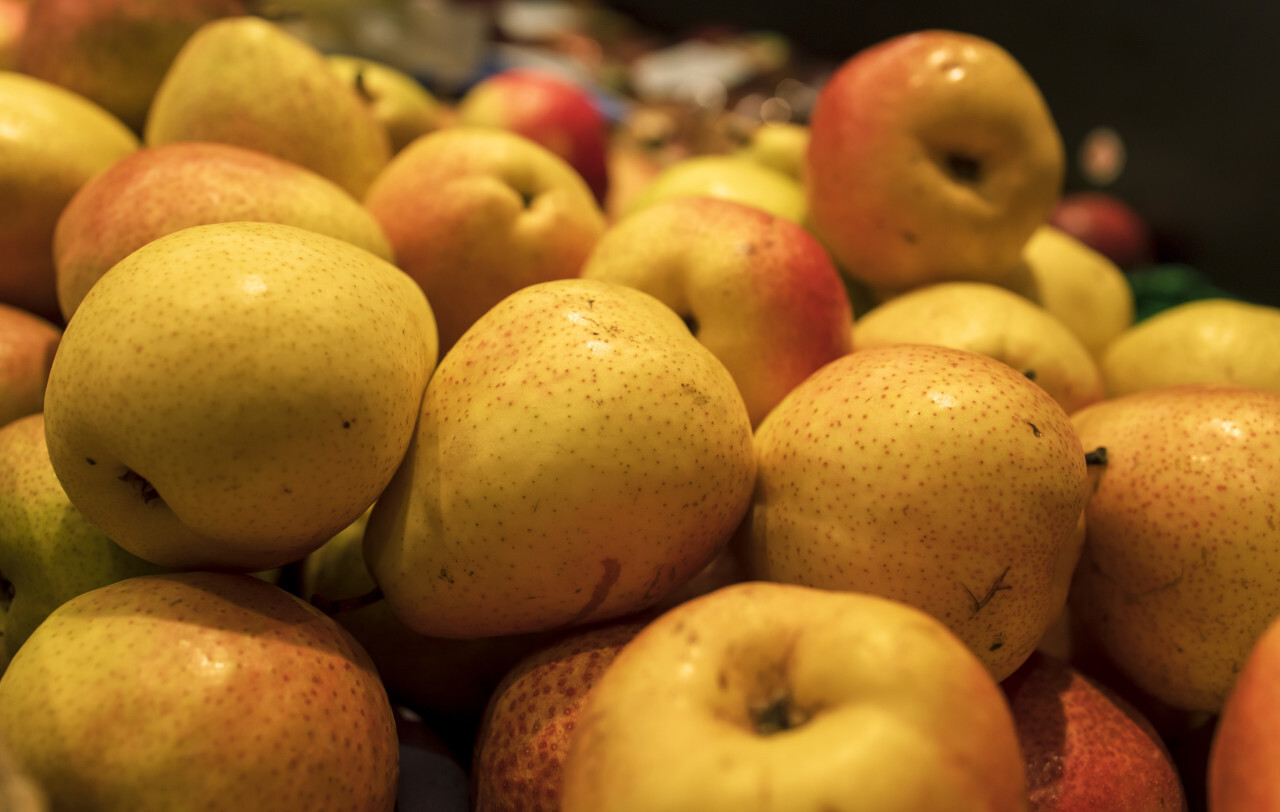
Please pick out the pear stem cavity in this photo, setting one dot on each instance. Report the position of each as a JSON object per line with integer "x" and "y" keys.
{"x": 1098, "y": 456}
{"x": 777, "y": 716}
{"x": 145, "y": 488}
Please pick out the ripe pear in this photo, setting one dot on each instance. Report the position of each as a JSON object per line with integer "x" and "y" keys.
{"x": 1084, "y": 289}
{"x": 1175, "y": 582}
{"x": 232, "y": 395}
{"x": 779, "y": 145}
{"x": 733, "y": 177}
{"x": 27, "y": 346}
{"x": 49, "y": 553}
{"x": 579, "y": 455}
{"x": 51, "y": 142}
{"x": 1204, "y": 341}
{"x": 938, "y": 477}
{"x": 113, "y": 52}
{"x": 199, "y": 691}
{"x": 985, "y": 318}
{"x": 159, "y": 190}
{"x": 247, "y": 81}
{"x": 406, "y": 108}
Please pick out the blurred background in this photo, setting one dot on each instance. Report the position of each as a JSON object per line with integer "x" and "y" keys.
{"x": 1169, "y": 106}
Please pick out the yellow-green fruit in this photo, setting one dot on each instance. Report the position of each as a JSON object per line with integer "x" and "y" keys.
{"x": 990, "y": 320}
{"x": 1206, "y": 341}
{"x": 731, "y": 177}
{"x": 404, "y": 106}
{"x": 51, "y": 142}
{"x": 779, "y": 146}
{"x": 232, "y": 395}
{"x": 578, "y": 456}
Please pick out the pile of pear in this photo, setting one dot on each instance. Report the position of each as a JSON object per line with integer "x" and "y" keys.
{"x": 409, "y": 394}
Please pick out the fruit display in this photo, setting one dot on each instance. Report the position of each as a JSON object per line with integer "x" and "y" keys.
{"x": 489, "y": 407}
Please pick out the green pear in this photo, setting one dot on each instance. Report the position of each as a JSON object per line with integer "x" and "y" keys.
{"x": 404, "y": 106}
{"x": 51, "y": 142}
{"x": 247, "y": 81}
{"x": 49, "y": 553}
{"x": 579, "y": 455}
{"x": 113, "y": 52}
{"x": 232, "y": 395}
{"x": 199, "y": 691}
{"x": 159, "y": 190}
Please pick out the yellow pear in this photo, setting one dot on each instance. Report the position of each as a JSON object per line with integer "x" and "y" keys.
{"x": 934, "y": 476}
{"x": 578, "y": 456}
{"x": 51, "y": 142}
{"x": 1081, "y": 287}
{"x": 1204, "y": 341}
{"x": 232, "y": 395}
{"x": 987, "y": 319}
{"x": 247, "y": 81}
{"x": 732, "y": 177}
{"x": 1176, "y": 580}
{"x": 406, "y": 108}
{"x": 781, "y": 146}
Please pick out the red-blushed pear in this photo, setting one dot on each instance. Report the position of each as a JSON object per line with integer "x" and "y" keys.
{"x": 49, "y": 553}
{"x": 1078, "y": 285}
{"x": 550, "y": 109}
{"x": 756, "y": 289}
{"x": 1108, "y": 224}
{"x": 114, "y": 52}
{"x": 159, "y": 190}
{"x": 1223, "y": 341}
{"x": 199, "y": 691}
{"x": 578, "y": 456}
{"x": 765, "y": 696}
{"x": 1086, "y": 749}
{"x": 51, "y": 142}
{"x": 531, "y": 717}
{"x": 1173, "y": 585}
{"x": 475, "y": 214}
{"x": 13, "y": 26}
{"x": 283, "y": 374}
{"x": 1246, "y": 743}
{"x": 988, "y": 319}
{"x": 939, "y": 477}
{"x": 27, "y": 347}
{"x": 932, "y": 155}
{"x": 250, "y": 82}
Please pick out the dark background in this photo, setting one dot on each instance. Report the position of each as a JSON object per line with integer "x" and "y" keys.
{"x": 1192, "y": 88}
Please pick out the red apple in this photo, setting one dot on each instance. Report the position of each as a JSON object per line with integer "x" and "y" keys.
{"x": 556, "y": 112}
{"x": 1245, "y": 748}
{"x": 1086, "y": 749}
{"x": 1108, "y": 225}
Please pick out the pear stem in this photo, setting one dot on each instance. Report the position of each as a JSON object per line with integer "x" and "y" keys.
{"x": 1098, "y": 456}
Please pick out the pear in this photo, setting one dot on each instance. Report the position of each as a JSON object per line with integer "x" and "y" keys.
{"x": 51, "y": 142}
{"x": 985, "y": 318}
{"x": 579, "y": 455}
{"x": 1084, "y": 289}
{"x": 406, "y": 108}
{"x": 27, "y": 346}
{"x": 935, "y": 476}
{"x": 1175, "y": 581}
{"x": 779, "y": 145}
{"x": 159, "y": 190}
{"x": 1222, "y": 341}
{"x": 733, "y": 177}
{"x": 247, "y": 81}
{"x": 113, "y": 52}
{"x": 199, "y": 691}
{"x": 49, "y": 553}
{"x": 232, "y": 395}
